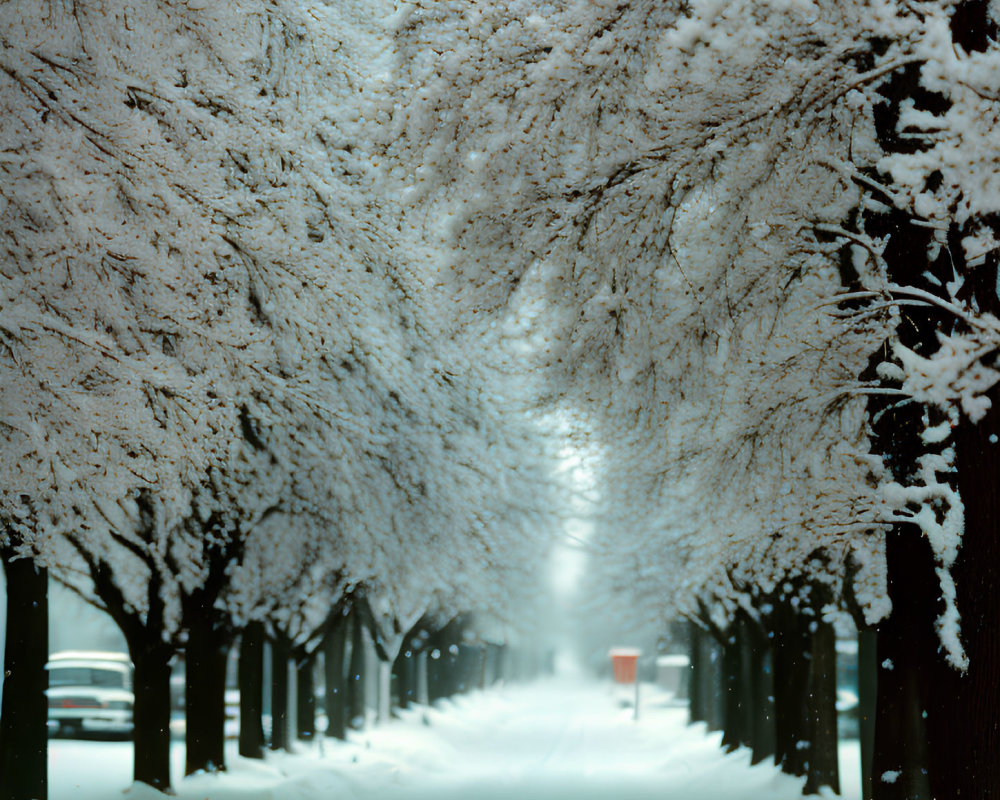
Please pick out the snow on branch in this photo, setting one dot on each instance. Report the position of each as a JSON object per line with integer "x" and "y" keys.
{"x": 350, "y": 261}
{"x": 207, "y": 297}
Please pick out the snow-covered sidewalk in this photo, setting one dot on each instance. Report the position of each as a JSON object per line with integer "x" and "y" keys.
{"x": 550, "y": 739}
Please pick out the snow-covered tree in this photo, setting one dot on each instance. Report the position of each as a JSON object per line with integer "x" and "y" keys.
{"x": 207, "y": 316}
{"x": 660, "y": 208}
{"x": 299, "y": 298}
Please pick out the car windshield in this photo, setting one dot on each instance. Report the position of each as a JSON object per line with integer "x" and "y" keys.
{"x": 86, "y": 676}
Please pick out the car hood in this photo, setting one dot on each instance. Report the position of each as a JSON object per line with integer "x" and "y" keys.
{"x": 98, "y": 693}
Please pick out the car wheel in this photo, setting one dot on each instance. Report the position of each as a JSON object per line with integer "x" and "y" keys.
{"x": 71, "y": 730}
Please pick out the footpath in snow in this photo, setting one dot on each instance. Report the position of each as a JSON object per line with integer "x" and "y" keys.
{"x": 543, "y": 741}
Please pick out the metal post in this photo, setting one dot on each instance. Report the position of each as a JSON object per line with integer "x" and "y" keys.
{"x": 635, "y": 715}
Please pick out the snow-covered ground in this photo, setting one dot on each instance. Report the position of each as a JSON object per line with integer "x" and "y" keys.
{"x": 543, "y": 741}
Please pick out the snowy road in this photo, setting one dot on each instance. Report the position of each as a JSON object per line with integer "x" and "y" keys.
{"x": 553, "y": 739}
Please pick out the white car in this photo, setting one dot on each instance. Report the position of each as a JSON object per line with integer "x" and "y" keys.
{"x": 90, "y": 692}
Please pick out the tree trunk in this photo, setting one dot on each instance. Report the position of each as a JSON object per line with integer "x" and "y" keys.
{"x": 443, "y": 674}
{"x": 451, "y": 672}
{"x": 713, "y": 688}
{"x": 707, "y": 680}
{"x": 384, "y": 705}
{"x": 749, "y": 700}
{"x": 867, "y": 694}
{"x": 937, "y": 731}
{"x": 791, "y": 689}
{"x": 151, "y": 651}
{"x": 356, "y": 676}
{"x": 484, "y": 666}
{"x": 251, "y": 680}
{"x": 697, "y": 669}
{"x": 205, "y": 658}
{"x": 281, "y": 738}
{"x": 305, "y": 695}
{"x": 434, "y": 680}
{"x": 404, "y": 669}
{"x": 740, "y": 699}
{"x": 23, "y": 718}
{"x": 907, "y": 649}
{"x": 335, "y": 648}
{"x": 734, "y": 691}
{"x": 965, "y": 710}
{"x": 761, "y": 678}
{"x": 822, "y": 768}
{"x": 151, "y": 713}
{"x": 477, "y": 668}
{"x": 461, "y": 661}
{"x": 474, "y": 677}
{"x": 423, "y": 692}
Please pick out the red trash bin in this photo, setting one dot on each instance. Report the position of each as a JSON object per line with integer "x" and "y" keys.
{"x": 623, "y": 662}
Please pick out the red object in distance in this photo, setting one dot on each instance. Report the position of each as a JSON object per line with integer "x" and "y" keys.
{"x": 623, "y": 663}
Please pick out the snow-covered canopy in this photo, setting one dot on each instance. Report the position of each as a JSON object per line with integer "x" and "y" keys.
{"x": 202, "y": 298}
{"x": 358, "y": 268}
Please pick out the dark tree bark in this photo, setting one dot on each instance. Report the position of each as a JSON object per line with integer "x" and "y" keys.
{"x": 477, "y": 678}
{"x": 210, "y": 635}
{"x": 734, "y": 697}
{"x": 907, "y": 646}
{"x": 471, "y": 656}
{"x": 740, "y": 700}
{"x": 484, "y": 666}
{"x": 23, "y": 718}
{"x": 822, "y": 768}
{"x": 748, "y": 697}
{"x": 707, "y": 680}
{"x": 447, "y": 670}
{"x": 205, "y": 658}
{"x": 907, "y": 649}
{"x": 453, "y": 669}
{"x": 335, "y": 677}
{"x": 152, "y": 646}
{"x": 965, "y": 711}
{"x": 938, "y": 730}
{"x": 867, "y": 694}
{"x": 149, "y": 646}
{"x": 468, "y": 668}
{"x": 436, "y": 679}
{"x": 972, "y": 25}
{"x": 305, "y": 694}
{"x": 251, "y": 680}
{"x": 447, "y": 664}
{"x": 356, "y": 675}
{"x": 762, "y": 679}
{"x": 965, "y": 715}
{"x": 281, "y": 652}
{"x": 791, "y": 688}
{"x": 444, "y": 673}
{"x": 697, "y": 706}
{"x": 151, "y": 713}
{"x": 458, "y": 656}
{"x": 404, "y": 669}
{"x": 714, "y": 688}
